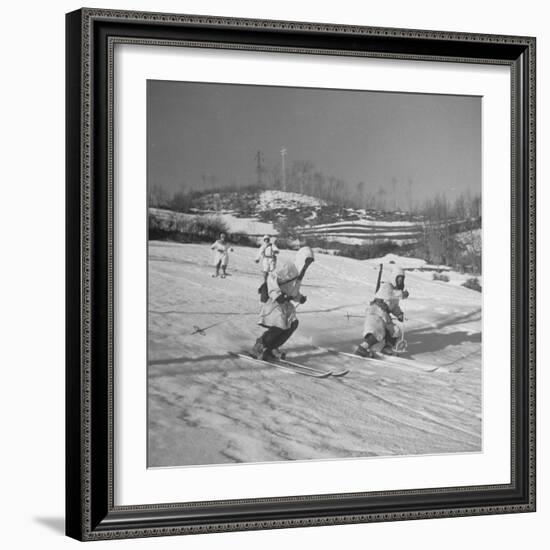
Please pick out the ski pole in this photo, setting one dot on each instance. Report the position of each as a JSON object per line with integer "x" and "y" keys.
{"x": 379, "y": 277}
{"x": 401, "y": 346}
{"x": 202, "y": 330}
{"x": 353, "y": 316}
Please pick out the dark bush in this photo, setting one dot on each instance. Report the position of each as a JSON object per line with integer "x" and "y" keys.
{"x": 187, "y": 229}
{"x": 473, "y": 284}
{"x": 441, "y": 277}
{"x": 356, "y": 251}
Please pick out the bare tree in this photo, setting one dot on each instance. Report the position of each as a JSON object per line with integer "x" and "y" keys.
{"x": 381, "y": 198}
{"x": 157, "y": 197}
{"x": 361, "y": 193}
{"x": 303, "y": 174}
{"x": 259, "y": 158}
{"x": 319, "y": 184}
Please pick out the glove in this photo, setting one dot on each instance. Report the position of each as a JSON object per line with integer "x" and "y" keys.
{"x": 405, "y": 294}
{"x": 400, "y": 317}
{"x": 281, "y": 299}
{"x": 302, "y": 299}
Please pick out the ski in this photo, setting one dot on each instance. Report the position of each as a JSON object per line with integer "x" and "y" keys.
{"x": 288, "y": 367}
{"x": 389, "y": 359}
{"x": 427, "y": 367}
{"x": 337, "y": 374}
{"x": 396, "y": 360}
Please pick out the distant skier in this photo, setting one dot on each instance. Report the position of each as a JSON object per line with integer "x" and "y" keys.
{"x": 278, "y": 313}
{"x": 267, "y": 256}
{"x": 380, "y": 332}
{"x": 221, "y": 250}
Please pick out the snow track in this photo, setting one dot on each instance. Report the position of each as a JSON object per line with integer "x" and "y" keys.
{"x": 206, "y": 407}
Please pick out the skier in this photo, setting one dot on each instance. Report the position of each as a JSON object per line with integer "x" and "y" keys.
{"x": 221, "y": 255}
{"x": 267, "y": 255}
{"x": 278, "y": 313}
{"x": 380, "y": 332}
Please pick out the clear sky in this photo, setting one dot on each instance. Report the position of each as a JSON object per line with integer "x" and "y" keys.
{"x": 202, "y": 130}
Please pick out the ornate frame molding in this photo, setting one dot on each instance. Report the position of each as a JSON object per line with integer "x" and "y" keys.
{"x": 91, "y": 36}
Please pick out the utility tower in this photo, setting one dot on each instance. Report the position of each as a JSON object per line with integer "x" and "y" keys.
{"x": 283, "y": 168}
{"x": 259, "y": 168}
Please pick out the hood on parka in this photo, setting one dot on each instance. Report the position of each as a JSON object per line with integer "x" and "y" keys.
{"x": 291, "y": 270}
{"x": 391, "y": 272}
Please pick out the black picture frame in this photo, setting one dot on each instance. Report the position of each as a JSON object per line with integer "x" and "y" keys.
{"x": 90, "y": 511}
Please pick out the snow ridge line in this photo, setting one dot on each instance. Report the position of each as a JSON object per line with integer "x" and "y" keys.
{"x": 428, "y": 417}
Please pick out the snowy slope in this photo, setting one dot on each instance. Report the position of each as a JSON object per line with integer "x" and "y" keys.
{"x": 423, "y": 269}
{"x": 273, "y": 198}
{"x": 404, "y": 261}
{"x": 247, "y": 226}
{"x": 205, "y": 407}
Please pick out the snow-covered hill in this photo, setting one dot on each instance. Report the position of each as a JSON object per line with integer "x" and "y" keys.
{"x": 243, "y": 212}
{"x": 262, "y": 212}
{"x": 273, "y": 199}
{"x": 207, "y": 407}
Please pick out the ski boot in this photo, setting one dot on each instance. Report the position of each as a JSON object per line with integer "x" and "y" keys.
{"x": 363, "y": 350}
{"x": 278, "y": 354}
{"x": 388, "y": 349}
{"x": 259, "y": 351}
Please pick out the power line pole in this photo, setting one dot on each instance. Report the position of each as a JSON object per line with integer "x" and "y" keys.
{"x": 259, "y": 168}
{"x": 283, "y": 169}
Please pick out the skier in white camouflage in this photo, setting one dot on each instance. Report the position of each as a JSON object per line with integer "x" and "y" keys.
{"x": 267, "y": 256}
{"x": 221, "y": 250}
{"x": 278, "y": 313}
{"x": 380, "y": 333}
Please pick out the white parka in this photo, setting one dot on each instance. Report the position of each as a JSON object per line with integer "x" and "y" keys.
{"x": 221, "y": 252}
{"x": 267, "y": 255}
{"x": 284, "y": 280}
{"x": 378, "y": 320}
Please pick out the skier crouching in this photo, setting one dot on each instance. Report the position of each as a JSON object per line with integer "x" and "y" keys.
{"x": 380, "y": 332}
{"x": 278, "y": 313}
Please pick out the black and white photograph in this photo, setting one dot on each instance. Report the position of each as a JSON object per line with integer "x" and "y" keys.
{"x": 278, "y": 234}
{"x": 314, "y": 274}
